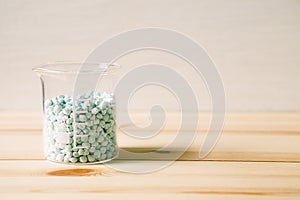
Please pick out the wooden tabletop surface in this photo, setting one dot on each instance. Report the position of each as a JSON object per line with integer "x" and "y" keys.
{"x": 256, "y": 157}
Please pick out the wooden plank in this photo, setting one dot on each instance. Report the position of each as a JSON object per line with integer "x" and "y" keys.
{"x": 288, "y": 122}
{"x": 182, "y": 180}
{"x": 246, "y": 137}
{"x": 275, "y": 138}
{"x": 21, "y": 121}
{"x": 231, "y": 147}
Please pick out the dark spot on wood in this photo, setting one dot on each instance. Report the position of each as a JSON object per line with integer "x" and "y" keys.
{"x": 76, "y": 172}
{"x": 35, "y": 190}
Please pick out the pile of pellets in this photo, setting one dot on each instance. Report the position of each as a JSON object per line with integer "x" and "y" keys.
{"x": 89, "y": 138}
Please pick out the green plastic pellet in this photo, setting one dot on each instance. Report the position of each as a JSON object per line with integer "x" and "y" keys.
{"x": 73, "y": 160}
{"x": 99, "y": 116}
{"x": 75, "y": 154}
{"x": 92, "y": 139}
{"x": 86, "y": 144}
{"x": 106, "y": 117}
{"x": 88, "y": 115}
{"x": 86, "y": 152}
{"x": 82, "y": 118}
{"x": 81, "y": 152}
{"x": 97, "y": 154}
{"x": 83, "y": 159}
{"x": 109, "y": 155}
{"x": 95, "y": 110}
{"x": 92, "y": 149}
{"x": 84, "y": 138}
{"x": 101, "y": 138}
{"x": 104, "y": 143}
{"x": 103, "y": 149}
{"x": 91, "y": 158}
{"x": 103, "y": 157}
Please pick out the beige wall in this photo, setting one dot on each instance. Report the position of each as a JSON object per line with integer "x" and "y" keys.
{"x": 255, "y": 44}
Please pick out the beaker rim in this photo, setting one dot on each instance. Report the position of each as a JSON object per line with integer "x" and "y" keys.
{"x": 76, "y": 67}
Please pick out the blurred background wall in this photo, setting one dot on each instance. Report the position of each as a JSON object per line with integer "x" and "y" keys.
{"x": 254, "y": 43}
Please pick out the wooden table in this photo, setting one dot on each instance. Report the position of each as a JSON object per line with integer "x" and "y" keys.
{"x": 257, "y": 157}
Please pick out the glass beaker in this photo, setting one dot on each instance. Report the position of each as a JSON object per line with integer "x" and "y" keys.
{"x": 79, "y": 112}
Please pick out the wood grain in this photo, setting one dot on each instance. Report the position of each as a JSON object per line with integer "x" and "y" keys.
{"x": 256, "y": 157}
{"x": 231, "y": 146}
{"x": 246, "y": 137}
{"x": 184, "y": 179}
